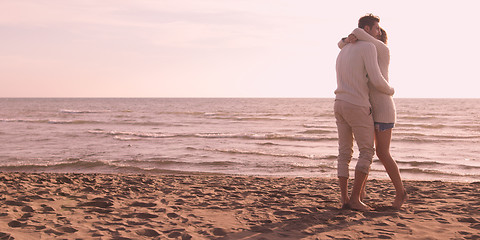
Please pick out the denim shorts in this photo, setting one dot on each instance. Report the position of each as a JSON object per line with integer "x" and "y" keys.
{"x": 383, "y": 126}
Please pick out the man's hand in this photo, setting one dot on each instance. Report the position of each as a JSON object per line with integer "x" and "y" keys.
{"x": 351, "y": 38}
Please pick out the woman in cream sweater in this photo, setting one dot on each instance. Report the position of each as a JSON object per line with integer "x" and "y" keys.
{"x": 384, "y": 113}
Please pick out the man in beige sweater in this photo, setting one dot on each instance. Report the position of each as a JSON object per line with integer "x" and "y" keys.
{"x": 356, "y": 66}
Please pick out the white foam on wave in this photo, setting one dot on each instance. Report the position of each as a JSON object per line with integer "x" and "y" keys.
{"x": 73, "y": 111}
{"x": 136, "y": 134}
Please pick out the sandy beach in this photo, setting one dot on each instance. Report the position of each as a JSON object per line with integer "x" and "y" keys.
{"x": 99, "y": 206}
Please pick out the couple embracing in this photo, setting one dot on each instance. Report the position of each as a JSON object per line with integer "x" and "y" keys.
{"x": 364, "y": 110}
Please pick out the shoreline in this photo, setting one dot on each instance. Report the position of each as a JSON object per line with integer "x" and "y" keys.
{"x": 218, "y": 206}
{"x": 162, "y": 172}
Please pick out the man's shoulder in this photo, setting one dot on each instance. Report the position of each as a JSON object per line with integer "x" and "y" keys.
{"x": 364, "y": 44}
{"x": 365, "y": 47}
{"x": 358, "y": 48}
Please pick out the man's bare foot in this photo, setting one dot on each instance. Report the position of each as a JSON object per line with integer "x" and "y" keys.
{"x": 359, "y": 206}
{"x": 400, "y": 199}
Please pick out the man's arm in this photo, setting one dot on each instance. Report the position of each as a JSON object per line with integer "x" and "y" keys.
{"x": 373, "y": 70}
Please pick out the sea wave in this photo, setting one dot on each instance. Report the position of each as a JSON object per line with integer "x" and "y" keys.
{"x": 260, "y": 153}
{"x": 24, "y": 120}
{"x": 70, "y": 164}
{"x": 264, "y": 144}
{"x": 75, "y": 164}
{"x": 412, "y": 116}
{"x": 194, "y": 113}
{"x": 94, "y": 122}
{"x": 73, "y": 122}
{"x": 51, "y": 121}
{"x": 437, "y": 172}
{"x": 230, "y": 115}
{"x": 154, "y": 165}
{"x": 318, "y": 131}
{"x": 330, "y": 126}
{"x": 422, "y": 125}
{"x": 151, "y": 123}
{"x": 265, "y": 136}
{"x": 250, "y": 118}
{"x": 420, "y": 163}
{"x": 252, "y": 136}
{"x": 118, "y": 134}
{"x": 436, "y": 165}
{"x": 72, "y": 111}
{"x": 432, "y": 138}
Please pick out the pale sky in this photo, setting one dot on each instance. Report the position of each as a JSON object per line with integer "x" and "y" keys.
{"x": 227, "y": 48}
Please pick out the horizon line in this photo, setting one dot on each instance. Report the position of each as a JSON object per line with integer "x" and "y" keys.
{"x": 222, "y": 97}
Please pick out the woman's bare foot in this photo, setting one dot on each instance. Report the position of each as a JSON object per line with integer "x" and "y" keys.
{"x": 400, "y": 199}
{"x": 345, "y": 206}
{"x": 363, "y": 195}
{"x": 359, "y": 206}
{"x": 345, "y": 201}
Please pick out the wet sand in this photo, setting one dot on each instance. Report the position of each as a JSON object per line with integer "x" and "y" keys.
{"x": 99, "y": 206}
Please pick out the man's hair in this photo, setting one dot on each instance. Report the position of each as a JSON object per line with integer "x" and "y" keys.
{"x": 368, "y": 20}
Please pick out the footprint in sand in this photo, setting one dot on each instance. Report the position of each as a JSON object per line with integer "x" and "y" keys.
{"x": 284, "y": 212}
{"x": 51, "y": 231}
{"x": 219, "y": 232}
{"x": 5, "y": 236}
{"x": 67, "y": 229}
{"x": 401, "y": 225}
{"x": 14, "y": 203}
{"x": 27, "y": 209}
{"x": 46, "y": 209}
{"x": 146, "y": 215}
{"x": 25, "y": 217}
{"x": 475, "y": 226}
{"x": 261, "y": 229}
{"x": 442, "y": 220}
{"x": 173, "y": 215}
{"x": 468, "y": 235}
{"x": 383, "y": 236}
{"x": 468, "y": 220}
{"x": 15, "y": 224}
{"x": 381, "y": 224}
{"x": 426, "y": 212}
{"x": 98, "y": 202}
{"x": 147, "y": 232}
{"x": 143, "y": 204}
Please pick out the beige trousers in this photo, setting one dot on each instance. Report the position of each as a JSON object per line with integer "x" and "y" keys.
{"x": 354, "y": 122}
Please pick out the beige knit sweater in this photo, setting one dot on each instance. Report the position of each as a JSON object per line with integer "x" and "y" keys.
{"x": 354, "y": 63}
{"x": 382, "y": 104}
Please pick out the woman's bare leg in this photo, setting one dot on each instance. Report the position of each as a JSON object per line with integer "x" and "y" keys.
{"x": 382, "y": 145}
{"x": 363, "y": 195}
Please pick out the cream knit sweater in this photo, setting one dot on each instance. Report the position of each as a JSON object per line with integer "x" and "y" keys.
{"x": 382, "y": 104}
{"x": 354, "y": 63}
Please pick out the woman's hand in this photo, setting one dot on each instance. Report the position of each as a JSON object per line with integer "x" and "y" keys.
{"x": 351, "y": 38}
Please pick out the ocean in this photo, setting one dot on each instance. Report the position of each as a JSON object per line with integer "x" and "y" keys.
{"x": 434, "y": 139}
